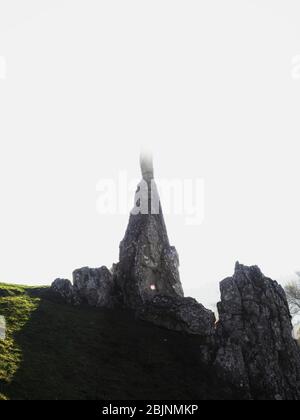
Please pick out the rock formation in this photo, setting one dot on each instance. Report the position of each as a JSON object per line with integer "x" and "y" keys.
{"x": 179, "y": 314}
{"x": 148, "y": 265}
{"x": 64, "y": 289}
{"x": 254, "y": 335}
{"x": 250, "y": 348}
{"x": 91, "y": 286}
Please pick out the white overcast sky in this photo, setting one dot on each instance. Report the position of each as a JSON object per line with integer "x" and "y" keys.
{"x": 208, "y": 84}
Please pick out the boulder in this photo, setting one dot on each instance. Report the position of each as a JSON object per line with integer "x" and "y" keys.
{"x": 64, "y": 289}
{"x": 179, "y": 314}
{"x": 93, "y": 286}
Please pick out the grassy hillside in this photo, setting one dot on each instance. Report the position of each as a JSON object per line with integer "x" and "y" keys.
{"x": 56, "y": 351}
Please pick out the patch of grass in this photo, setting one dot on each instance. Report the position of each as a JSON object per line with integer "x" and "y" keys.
{"x": 16, "y": 306}
{"x": 55, "y": 351}
{"x": 11, "y": 290}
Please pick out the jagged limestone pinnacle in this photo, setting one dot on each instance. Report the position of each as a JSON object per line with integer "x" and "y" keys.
{"x": 148, "y": 264}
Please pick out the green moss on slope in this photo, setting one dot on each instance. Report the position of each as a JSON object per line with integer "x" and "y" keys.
{"x": 56, "y": 351}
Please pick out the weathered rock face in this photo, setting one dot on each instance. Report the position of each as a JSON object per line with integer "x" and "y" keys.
{"x": 179, "y": 314}
{"x": 91, "y": 286}
{"x": 148, "y": 265}
{"x": 230, "y": 368}
{"x": 251, "y": 348}
{"x": 64, "y": 289}
{"x": 256, "y": 349}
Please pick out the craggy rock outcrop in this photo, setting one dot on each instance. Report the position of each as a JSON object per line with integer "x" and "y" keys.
{"x": 91, "y": 286}
{"x": 148, "y": 265}
{"x": 179, "y": 314}
{"x": 256, "y": 349}
{"x": 251, "y": 348}
{"x": 64, "y": 289}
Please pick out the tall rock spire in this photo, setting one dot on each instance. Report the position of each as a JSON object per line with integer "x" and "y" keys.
{"x": 148, "y": 265}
